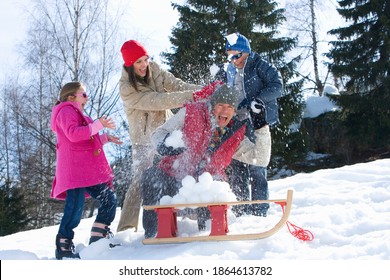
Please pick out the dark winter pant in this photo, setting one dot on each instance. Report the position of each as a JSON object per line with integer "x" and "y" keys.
{"x": 154, "y": 185}
{"x": 248, "y": 182}
{"x": 74, "y": 205}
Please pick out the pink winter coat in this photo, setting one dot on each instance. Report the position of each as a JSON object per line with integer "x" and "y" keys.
{"x": 81, "y": 161}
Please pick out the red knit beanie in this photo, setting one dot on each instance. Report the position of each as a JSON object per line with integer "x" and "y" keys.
{"x": 131, "y": 51}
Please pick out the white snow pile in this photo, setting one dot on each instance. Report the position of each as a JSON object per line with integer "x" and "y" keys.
{"x": 206, "y": 190}
{"x": 331, "y": 90}
{"x": 317, "y": 105}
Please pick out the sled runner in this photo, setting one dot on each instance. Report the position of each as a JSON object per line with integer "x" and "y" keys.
{"x": 167, "y": 221}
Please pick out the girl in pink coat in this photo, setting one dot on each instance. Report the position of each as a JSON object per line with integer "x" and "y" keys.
{"x": 82, "y": 169}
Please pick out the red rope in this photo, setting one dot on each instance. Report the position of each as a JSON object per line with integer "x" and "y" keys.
{"x": 298, "y": 232}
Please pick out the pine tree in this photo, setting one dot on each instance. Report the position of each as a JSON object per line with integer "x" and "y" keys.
{"x": 199, "y": 42}
{"x": 13, "y": 216}
{"x": 361, "y": 59}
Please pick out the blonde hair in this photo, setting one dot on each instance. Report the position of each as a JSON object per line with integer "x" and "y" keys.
{"x": 67, "y": 90}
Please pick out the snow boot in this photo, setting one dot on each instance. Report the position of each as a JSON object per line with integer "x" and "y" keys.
{"x": 65, "y": 248}
{"x": 99, "y": 231}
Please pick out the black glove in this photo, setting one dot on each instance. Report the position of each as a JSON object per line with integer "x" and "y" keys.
{"x": 164, "y": 150}
{"x": 246, "y": 103}
{"x": 258, "y": 113}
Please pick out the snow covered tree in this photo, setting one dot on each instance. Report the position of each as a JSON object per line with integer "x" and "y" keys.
{"x": 361, "y": 59}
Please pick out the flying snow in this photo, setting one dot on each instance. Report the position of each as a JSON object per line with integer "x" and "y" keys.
{"x": 214, "y": 69}
{"x": 232, "y": 38}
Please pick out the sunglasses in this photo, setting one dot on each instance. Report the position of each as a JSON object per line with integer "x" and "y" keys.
{"x": 83, "y": 94}
{"x": 236, "y": 56}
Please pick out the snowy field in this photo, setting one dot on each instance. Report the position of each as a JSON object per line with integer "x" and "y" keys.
{"x": 347, "y": 210}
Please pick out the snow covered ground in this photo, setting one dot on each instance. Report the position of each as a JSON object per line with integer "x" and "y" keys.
{"x": 347, "y": 210}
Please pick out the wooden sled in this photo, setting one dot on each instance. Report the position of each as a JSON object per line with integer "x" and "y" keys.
{"x": 167, "y": 221}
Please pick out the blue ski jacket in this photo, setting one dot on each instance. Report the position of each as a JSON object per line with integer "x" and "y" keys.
{"x": 261, "y": 80}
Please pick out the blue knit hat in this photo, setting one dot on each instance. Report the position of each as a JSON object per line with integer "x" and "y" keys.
{"x": 237, "y": 42}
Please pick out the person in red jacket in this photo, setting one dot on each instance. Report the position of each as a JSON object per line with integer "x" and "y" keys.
{"x": 82, "y": 169}
{"x": 212, "y": 136}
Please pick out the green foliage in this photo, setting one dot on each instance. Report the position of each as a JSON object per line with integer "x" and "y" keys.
{"x": 361, "y": 58}
{"x": 367, "y": 119}
{"x": 362, "y": 53}
{"x": 13, "y": 216}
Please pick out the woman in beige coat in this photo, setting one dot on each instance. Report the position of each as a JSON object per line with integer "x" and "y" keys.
{"x": 148, "y": 93}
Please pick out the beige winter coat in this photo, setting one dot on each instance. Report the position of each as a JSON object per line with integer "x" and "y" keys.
{"x": 149, "y": 107}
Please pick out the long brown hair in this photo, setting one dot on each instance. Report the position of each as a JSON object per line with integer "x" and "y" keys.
{"x": 133, "y": 78}
{"x": 67, "y": 90}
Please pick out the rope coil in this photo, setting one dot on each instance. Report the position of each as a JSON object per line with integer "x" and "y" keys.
{"x": 298, "y": 232}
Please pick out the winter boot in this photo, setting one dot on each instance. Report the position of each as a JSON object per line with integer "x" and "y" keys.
{"x": 100, "y": 231}
{"x": 65, "y": 248}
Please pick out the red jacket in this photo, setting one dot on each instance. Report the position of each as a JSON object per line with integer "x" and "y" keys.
{"x": 196, "y": 135}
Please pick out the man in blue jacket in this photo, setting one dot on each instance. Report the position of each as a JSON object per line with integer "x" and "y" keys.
{"x": 260, "y": 85}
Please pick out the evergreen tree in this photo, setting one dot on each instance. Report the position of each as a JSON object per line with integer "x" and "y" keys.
{"x": 199, "y": 42}
{"x": 13, "y": 216}
{"x": 361, "y": 59}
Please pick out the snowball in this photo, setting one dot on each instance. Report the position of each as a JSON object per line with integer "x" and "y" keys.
{"x": 188, "y": 181}
{"x": 214, "y": 69}
{"x": 175, "y": 139}
{"x": 178, "y": 199}
{"x": 205, "y": 197}
{"x": 200, "y": 188}
{"x": 232, "y": 38}
{"x": 186, "y": 191}
{"x": 166, "y": 200}
{"x": 194, "y": 198}
{"x": 205, "y": 179}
